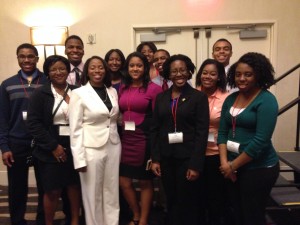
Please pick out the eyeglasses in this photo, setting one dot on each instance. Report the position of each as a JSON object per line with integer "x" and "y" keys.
{"x": 60, "y": 70}
{"x": 29, "y": 57}
{"x": 176, "y": 72}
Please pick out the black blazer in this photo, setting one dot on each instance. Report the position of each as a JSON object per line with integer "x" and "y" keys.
{"x": 192, "y": 120}
{"x": 40, "y": 124}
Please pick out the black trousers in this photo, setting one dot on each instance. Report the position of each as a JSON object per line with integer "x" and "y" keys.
{"x": 183, "y": 196}
{"x": 214, "y": 191}
{"x": 18, "y": 187}
{"x": 249, "y": 194}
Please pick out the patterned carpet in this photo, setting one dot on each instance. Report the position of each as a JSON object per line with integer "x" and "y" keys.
{"x": 157, "y": 217}
{"x": 31, "y": 208}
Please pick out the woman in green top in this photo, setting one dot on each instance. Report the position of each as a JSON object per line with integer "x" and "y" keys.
{"x": 248, "y": 158}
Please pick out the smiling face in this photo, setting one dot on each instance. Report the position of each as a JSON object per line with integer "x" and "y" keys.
{"x": 136, "y": 69}
{"x": 245, "y": 79}
{"x": 178, "y": 73}
{"x": 209, "y": 77}
{"x": 27, "y": 60}
{"x": 114, "y": 62}
{"x": 58, "y": 73}
{"x": 96, "y": 72}
{"x": 74, "y": 51}
{"x": 222, "y": 52}
{"x": 158, "y": 59}
{"x": 147, "y": 51}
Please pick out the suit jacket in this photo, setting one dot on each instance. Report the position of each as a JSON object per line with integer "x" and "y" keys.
{"x": 192, "y": 120}
{"x": 91, "y": 124}
{"x": 40, "y": 124}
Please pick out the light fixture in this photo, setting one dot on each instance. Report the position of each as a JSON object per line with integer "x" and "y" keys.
{"x": 48, "y": 35}
{"x": 48, "y": 39}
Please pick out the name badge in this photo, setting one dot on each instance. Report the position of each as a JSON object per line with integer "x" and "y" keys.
{"x": 129, "y": 125}
{"x": 64, "y": 130}
{"x": 24, "y": 115}
{"x": 233, "y": 146}
{"x": 211, "y": 137}
{"x": 176, "y": 137}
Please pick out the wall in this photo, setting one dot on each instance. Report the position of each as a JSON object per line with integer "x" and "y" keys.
{"x": 112, "y": 21}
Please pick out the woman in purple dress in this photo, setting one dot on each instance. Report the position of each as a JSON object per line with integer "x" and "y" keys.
{"x": 136, "y": 102}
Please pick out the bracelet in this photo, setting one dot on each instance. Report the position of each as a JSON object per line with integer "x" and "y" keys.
{"x": 231, "y": 166}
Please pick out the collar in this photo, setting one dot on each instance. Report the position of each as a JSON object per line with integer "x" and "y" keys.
{"x": 80, "y": 66}
{"x": 34, "y": 74}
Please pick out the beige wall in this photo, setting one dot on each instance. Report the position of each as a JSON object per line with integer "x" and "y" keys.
{"x": 112, "y": 21}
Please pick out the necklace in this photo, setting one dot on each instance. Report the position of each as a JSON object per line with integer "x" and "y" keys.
{"x": 105, "y": 94}
{"x": 233, "y": 117}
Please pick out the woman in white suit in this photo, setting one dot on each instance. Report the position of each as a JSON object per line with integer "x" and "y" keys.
{"x": 95, "y": 143}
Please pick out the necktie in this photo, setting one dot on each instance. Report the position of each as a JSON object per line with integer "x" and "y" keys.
{"x": 77, "y": 76}
{"x": 165, "y": 85}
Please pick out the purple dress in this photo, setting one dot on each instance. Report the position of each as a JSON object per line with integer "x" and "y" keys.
{"x": 136, "y": 104}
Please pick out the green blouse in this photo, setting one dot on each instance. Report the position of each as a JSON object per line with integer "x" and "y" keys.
{"x": 254, "y": 129}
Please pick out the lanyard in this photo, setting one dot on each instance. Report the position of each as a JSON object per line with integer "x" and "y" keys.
{"x": 233, "y": 121}
{"x": 25, "y": 91}
{"x": 174, "y": 110}
{"x": 129, "y": 99}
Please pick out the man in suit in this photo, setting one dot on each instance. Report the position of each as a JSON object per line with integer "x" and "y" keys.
{"x": 74, "y": 49}
{"x": 15, "y": 140}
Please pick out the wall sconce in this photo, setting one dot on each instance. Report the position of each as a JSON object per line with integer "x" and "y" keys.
{"x": 49, "y": 37}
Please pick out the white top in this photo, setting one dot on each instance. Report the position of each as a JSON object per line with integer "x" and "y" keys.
{"x": 62, "y": 114}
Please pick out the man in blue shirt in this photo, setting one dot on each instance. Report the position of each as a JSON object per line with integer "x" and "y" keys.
{"x": 15, "y": 140}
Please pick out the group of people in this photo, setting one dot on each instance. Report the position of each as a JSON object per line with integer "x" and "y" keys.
{"x": 92, "y": 128}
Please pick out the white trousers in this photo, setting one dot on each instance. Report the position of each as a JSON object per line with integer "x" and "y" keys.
{"x": 100, "y": 185}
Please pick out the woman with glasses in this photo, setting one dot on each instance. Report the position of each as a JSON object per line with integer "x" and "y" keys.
{"x": 179, "y": 139}
{"x": 48, "y": 122}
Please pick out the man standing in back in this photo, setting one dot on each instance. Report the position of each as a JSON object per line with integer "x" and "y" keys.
{"x": 15, "y": 140}
{"x": 222, "y": 52}
{"x": 74, "y": 49}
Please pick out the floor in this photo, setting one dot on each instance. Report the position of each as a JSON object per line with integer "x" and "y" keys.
{"x": 157, "y": 217}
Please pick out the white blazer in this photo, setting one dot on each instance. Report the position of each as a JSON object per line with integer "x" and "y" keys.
{"x": 91, "y": 124}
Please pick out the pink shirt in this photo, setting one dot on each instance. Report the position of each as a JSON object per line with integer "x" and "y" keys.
{"x": 216, "y": 101}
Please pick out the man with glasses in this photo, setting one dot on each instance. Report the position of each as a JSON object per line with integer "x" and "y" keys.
{"x": 15, "y": 140}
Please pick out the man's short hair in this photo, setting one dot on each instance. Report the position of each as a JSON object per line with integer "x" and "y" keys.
{"x": 27, "y": 45}
{"x": 223, "y": 39}
{"x": 74, "y": 37}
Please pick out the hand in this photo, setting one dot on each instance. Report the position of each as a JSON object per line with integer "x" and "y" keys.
{"x": 7, "y": 158}
{"x": 225, "y": 169}
{"x": 60, "y": 154}
{"x": 82, "y": 169}
{"x": 155, "y": 167}
{"x": 192, "y": 175}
